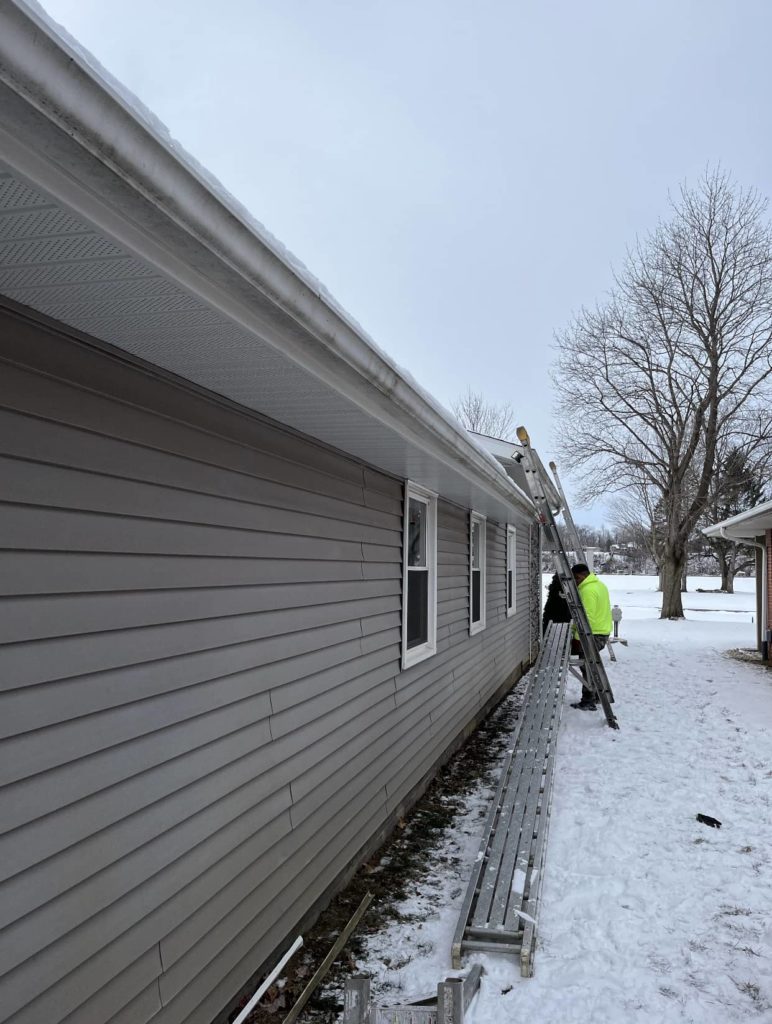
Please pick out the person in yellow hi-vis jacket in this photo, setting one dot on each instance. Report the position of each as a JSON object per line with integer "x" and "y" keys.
{"x": 597, "y": 608}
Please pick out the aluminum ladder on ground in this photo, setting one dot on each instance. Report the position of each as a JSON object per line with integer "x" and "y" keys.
{"x": 500, "y": 909}
{"x": 597, "y": 680}
{"x": 449, "y": 1006}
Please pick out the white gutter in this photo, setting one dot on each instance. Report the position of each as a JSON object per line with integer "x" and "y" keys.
{"x": 54, "y": 77}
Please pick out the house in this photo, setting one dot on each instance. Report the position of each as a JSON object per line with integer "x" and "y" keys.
{"x": 256, "y": 584}
{"x": 754, "y": 528}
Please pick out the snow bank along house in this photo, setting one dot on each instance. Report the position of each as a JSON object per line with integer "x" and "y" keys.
{"x": 256, "y": 585}
{"x": 754, "y": 527}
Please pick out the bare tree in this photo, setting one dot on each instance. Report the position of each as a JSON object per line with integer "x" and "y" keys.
{"x": 649, "y": 382}
{"x": 474, "y": 413}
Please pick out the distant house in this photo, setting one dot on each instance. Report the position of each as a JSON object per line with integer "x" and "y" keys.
{"x": 256, "y": 584}
{"x": 755, "y": 527}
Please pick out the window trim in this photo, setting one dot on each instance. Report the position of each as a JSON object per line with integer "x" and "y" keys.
{"x": 479, "y": 626}
{"x": 511, "y": 562}
{"x": 413, "y": 655}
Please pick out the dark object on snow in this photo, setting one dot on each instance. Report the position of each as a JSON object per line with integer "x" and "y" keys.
{"x": 706, "y": 819}
{"x": 556, "y": 606}
{"x": 585, "y": 705}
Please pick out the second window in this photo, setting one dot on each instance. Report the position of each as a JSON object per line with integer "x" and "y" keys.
{"x": 477, "y": 558}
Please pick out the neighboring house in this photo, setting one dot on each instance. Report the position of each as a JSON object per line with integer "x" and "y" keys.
{"x": 754, "y": 528}
{"x": 256, "y": 584}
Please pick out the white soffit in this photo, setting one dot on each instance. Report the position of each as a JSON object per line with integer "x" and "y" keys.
{"x": 56, "y": 264}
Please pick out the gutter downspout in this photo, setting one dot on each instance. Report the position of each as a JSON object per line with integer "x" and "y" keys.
{"x": 764, "y": 609}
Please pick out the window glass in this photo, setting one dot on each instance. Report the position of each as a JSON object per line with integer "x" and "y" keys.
{"x": 417, "y": 608}
{"x": 475, "y": 545}
{"x": 416, "y": 533}
{"x": 476, "y": 588}
{"x": 511, "y": 568}
{"x": 477, "y": 573}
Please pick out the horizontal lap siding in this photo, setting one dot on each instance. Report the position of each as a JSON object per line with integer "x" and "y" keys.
{"x": 201, "y": 706}
{"x": 466, "y": 672}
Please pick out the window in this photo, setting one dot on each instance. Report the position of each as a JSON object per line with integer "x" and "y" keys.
{"x": 419, "y": 588}
{"x": 511, "y": 576}
{"x": 476, "y": 572}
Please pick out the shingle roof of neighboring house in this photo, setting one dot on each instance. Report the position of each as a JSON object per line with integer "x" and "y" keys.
{"x": 110, "y": 228}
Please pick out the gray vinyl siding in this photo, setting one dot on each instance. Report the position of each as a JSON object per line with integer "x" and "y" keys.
{"x": 203, "y": 717}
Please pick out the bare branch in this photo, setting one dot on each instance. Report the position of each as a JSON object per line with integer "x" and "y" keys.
{"x": 474, "y": 413}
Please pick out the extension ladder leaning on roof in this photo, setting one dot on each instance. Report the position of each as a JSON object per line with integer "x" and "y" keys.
{"x": 597, "y": 680}
{"x": 578, "y": 549}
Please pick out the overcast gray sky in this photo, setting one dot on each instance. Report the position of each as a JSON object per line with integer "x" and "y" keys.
{"x": 461, "y": 176}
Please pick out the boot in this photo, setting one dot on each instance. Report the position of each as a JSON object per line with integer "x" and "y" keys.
{"x": 587, "y": 703}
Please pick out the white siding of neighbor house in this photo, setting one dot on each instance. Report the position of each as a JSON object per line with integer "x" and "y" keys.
{"x": 203, "y": 718}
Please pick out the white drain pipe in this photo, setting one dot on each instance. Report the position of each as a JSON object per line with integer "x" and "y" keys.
{"x": 764, "y": 610}
{"x": 268, "y": 981}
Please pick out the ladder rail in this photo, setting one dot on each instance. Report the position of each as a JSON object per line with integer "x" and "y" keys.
{"x": 597, "y": 680}
{"x": 573, "y": 533}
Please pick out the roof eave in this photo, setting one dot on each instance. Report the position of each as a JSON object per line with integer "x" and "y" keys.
{"x": 53, "y": 79}
{"x": 745, "y": 525}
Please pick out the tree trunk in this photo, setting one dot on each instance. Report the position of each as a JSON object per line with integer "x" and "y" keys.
{"x": 731, "y": 569}
{"x": 684, "y": 579}
{"x": 673, "y": 563}
{"x": 723, "y": 565}
{"x": 727, "y": 562}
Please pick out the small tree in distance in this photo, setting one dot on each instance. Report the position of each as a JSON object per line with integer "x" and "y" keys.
{"x": 473, "y": 412}
{"x": 652, "y": 381}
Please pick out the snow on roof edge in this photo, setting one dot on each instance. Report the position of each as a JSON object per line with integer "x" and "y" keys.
{"x": 161, "y": 133}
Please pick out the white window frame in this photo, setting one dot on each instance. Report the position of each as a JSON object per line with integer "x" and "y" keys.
{"x": 511, "y": 568}
{"x": 414, "y": 655}
{"x": 480, "y": 520}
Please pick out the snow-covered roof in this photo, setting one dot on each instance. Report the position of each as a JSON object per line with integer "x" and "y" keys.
{"x": 508, "y": 454}
{"x": 118, "y": 233}
{"x": 745, "y": 525}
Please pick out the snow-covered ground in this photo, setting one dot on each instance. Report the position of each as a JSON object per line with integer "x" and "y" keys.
{"x": 646, "y": 915}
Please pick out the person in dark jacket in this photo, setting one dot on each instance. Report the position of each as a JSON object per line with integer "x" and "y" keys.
{"x": 556, "y": 606}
